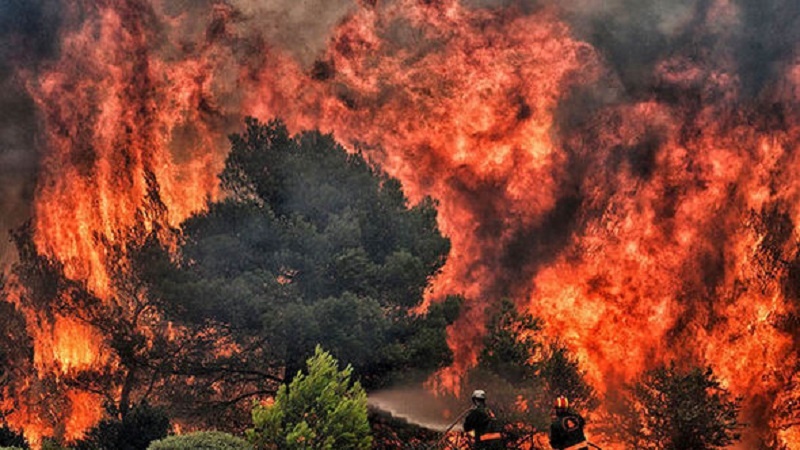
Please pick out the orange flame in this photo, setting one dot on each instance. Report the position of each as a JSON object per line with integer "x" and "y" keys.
{"x": 115, "y": 119}
{"x": 653, "y": 229}
{"x": 71, "y": 345}
{"x": 641, "y": 233}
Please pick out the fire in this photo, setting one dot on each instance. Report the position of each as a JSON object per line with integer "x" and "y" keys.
{"x": 641, "y": 228}
{"x": 108, "y": 106}
{"x": 469, "y": 122}
{"x": 73, "y": 346}
{"x": 114, "y": 118}
{"x": 84, "y": 414}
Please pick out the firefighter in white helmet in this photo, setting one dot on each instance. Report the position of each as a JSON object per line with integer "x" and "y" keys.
{"x": 482, "y": 425}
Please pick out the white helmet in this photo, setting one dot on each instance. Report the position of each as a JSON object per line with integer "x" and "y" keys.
{"x": 478, "y": 395}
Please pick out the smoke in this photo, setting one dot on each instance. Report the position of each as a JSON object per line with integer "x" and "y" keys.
{"x": 767, "y": 43}
{"x": 18, "y": 161}
{"x": 28, "y": 35}
{"x": 29, "y": 29}
{"x": 758, "y": 37}
{"x": 300, "y": 27}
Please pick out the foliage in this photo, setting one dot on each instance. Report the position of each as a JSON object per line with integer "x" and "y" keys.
{"x": 672, "y": 409}
{"x": 313, "y": 245}
{"x": 134, "y": 431}
{"x": 321, "y": 410}
{"x": 201, "y": 440}
{"x": 11, "y": 440}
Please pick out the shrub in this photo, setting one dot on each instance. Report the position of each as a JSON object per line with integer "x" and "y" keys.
{"x": 322, "y": 410}
{"x": 201, "y": 440}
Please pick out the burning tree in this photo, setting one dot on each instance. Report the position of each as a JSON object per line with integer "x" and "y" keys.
{"x": 671, "y": 409}
{"x": 264, "y": 276}
{"x": 15, "y": 345}
{"x": 600, "y": 154}
{"x": 136, "y": 356}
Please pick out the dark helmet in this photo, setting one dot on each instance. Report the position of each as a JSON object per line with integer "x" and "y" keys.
{"x": 478, "y": 396}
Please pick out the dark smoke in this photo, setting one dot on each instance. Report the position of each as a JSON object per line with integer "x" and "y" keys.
{"x": 29, "y": 29}
{"x": 28, "y": 35}
{"x": 635, "y": 35}
{"x": 302, "y": 28}
{"x": 768, "y": 41}
{"x": 18, "y": 161}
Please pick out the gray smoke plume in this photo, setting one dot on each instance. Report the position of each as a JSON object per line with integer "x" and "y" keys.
{"x": 300, "y": 26}
{"x": 28, "y": 35}
{"x": 634, "y": 35}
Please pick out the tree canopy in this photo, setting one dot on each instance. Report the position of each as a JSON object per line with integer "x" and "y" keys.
{"x": 313, "y": 245}
{"x": 201, "y": 440}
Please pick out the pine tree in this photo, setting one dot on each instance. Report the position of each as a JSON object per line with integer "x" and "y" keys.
{"x": 319, "y": 410}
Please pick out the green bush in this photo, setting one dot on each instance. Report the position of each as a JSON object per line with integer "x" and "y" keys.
{"x": 11, "y": 448}
{"x": 321, "y": 410}
{"x": 201, "y": 440}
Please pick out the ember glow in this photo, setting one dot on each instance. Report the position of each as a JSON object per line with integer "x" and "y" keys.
{"x": 646, "y": 212}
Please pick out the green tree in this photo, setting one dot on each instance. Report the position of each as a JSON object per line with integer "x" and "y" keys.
{"x": 313, "y": 245}
{"x": 672, "y": 409}
{"x": 321, "y": 410}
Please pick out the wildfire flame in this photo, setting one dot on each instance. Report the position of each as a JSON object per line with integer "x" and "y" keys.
{"x": 641, "y": 228}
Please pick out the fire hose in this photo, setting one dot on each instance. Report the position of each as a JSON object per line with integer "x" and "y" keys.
{"x": 447, "y": 430}
{"x": 458, "y": 419}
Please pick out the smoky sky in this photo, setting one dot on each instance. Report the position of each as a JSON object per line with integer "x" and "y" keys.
{"x": 300, "y": 26}
{"x": 634, "y": 35}
{"x": 28, "y": 36}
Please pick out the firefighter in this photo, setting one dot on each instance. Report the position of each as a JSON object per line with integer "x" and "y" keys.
{"x": 566, "y": 430}
{"x": 482, "y": 425}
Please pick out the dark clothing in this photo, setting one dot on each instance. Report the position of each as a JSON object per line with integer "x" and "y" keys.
{"x": 481, "y": 421}
{"x": 567, "y": 431}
